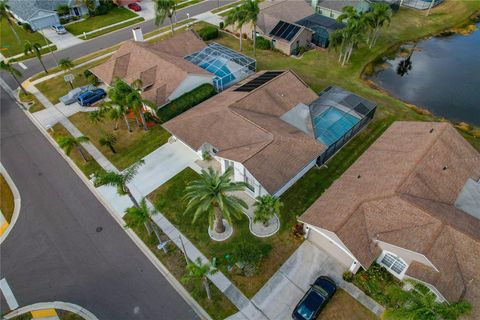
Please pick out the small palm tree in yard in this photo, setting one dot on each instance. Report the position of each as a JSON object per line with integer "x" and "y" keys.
{"x": 6, "y": 66}
{"x": 251, "y": 10}
{"x": 118, "y": 94}
{"x": 200, "y": 271}
{"x": 67, "y": 143}
{"x": 135, "y": 101}
{"x": 142, "y": 215}
{"x": 66, "y": 64}
{"x": 96, "y": 116}
{"x": 4, "y": 15}
{"x": 34, "y": 48}
{"x": 108, "y": 140}
{"x": 164, "y": 9}
{"x": 421, "y": 303}
{"x": 210, "y": 196}
{"x": 119, "y": 180}
{"x": 265, "y": 208}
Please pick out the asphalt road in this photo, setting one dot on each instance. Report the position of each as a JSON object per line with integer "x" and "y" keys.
{"x": 54, "y": 252}
{"x": 108, "y": 40}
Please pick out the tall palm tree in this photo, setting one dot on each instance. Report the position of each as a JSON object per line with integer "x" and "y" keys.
{"x": 200, "y": 271}
{"x": 336, "y": 42}
{"x": 135, "y": 101}
{"x": 164, "y": 9}
{"x": 237, "y": 18}
{"x": 5, "y": 15}
{"x": 108, "y": 140}
{"x": 142, "y": 215}
{"x": 119, "y": 180}
{"x": 421, "y": 303}
{"x": 65, "y": 64}
{"x": 118, "y": 94}
{"x": 210, "y": 195}
{"x": 35, "y": 49}
{"x": 265, "y": 208}
{"x": 251, "y": 10}
{"x": 380, "y": 15}
{"x": 6, "y": 66}
{"x": 353, "y": 33}
{"x": 67, "y": 143}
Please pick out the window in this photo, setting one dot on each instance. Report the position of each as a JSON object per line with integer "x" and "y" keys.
{"x": 228, "y": 164}
{"x": 393, "y": 263}
{"x": 249, "y": 183}
{"x": 331, "y": 14}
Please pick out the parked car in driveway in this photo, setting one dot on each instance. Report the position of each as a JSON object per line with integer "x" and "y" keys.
{"x": 59, "y": 29}
{"x": 73, "y": 94}
{"x": 134, "y": 6}
{"x": 315, "y": 299}
{"x": 89, "y": 97}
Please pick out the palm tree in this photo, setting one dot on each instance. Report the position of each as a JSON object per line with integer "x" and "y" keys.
{"x": 34, "y": 48}
{"x": 209, "y": 195}
{"x": 376, "y": 18}
{"x": 118, "y": 94}
{"x": 108, "y": 140}
{"x": 353, "y": 32}
{"x": 336, "y": 42}
{"x": 265, "y": 208}
{"x": 250, "y": 9}
{"x": 142, "y": 215}
{"x": 200, "y": 271}
{"x": 135, "y": 101}
{"x": 119, "y": 180}
{"x": 67, "y": 143}
{"x": 236, "y": 17}
{"x": 6, "y": 66}
{"x": 65, "y": 64}
{"x": 421, "y": 303}
{"x": 5, "y": 15}
{"x": 96, "y": 116}
{"x": 115, "y": 114}
{"x": 164, "y": 9}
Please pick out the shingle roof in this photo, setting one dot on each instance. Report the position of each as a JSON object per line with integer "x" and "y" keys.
{"x": 246, "y": 127}
{"x": 402, "y": 191}
{"x": 160, "y": 65}
{"x": 271, "y": 12}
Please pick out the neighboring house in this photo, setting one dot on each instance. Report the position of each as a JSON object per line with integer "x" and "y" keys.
{"x": 165, "y": 68}
{"x": 124, "y": 2}
{"x": 333, "y": 8}
{"x": 40, "y": 14}
{"x": 419, "y": 4}
{"x": 321, "y": 27}
{"x": 271, "y": 128}
{"x": 411, "y": 202}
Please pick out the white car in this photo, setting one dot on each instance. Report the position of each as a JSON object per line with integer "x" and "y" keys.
{"x": 59, "y": 29}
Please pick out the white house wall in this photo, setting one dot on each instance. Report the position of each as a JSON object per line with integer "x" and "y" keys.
{"x": 407, "y": 255}
{"x": 191, "y": 82}
{"x": 295, "y": 178}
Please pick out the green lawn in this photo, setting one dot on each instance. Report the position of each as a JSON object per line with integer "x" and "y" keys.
{"x": 218, "y": 308}
{"x": 117, "y": 27}
{"x": 115, "y": 15}
{"x": 10, "y": 46}
{"x": 56, "y": 87}
{"x": 31, "y": 101}
{"x": 344, "y": 307}
{"x": 7, "y": 203}
{"x": 88, "y": 168}
{"x": 130, "y": 147}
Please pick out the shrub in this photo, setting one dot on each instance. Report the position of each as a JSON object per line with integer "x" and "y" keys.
{"x": 221, "y": 25}
{"x": 104, "y": 6}
{"x": 263, "y": 43}
{"x": 185, "y": 102}
{"x": 247, "y": 256}
{"x": 92, "y": 79}
{"x": 87, "y": 73}
{"x": 208, "y": 33}
{"x": 63, "y": 20}
{"x": 27, "y": 27}
{"x": 206, "y": 155}
{"x": 347, "y": 276}
{"x": 63, "y": 10}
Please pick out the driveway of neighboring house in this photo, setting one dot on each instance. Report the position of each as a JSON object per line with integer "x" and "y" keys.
{"x": 148, "y": 10}
{"x": 62, "y": 41}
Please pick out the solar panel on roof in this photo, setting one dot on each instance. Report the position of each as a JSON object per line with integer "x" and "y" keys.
{"x": 258, "y": 81}
{"x": 284, "y": 30}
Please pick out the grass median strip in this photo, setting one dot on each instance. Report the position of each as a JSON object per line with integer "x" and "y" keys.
{"x": 115, "y": 15}
{"x": 225, "y": 7}
{"x": 113, "y": 28}
{"x": 31, "y": 101}
{"x": 7, "y": 203}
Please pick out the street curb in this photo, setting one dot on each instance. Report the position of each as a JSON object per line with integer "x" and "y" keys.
{"x": 84, "y": 313}
{"x": 146, "y": 251}
{"x": 16, "y": 201}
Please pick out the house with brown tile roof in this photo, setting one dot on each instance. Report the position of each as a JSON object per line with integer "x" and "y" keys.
{"x": 411, "y": 202}
{"x": 262, "y": 127}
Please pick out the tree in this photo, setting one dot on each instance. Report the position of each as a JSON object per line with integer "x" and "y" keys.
{"x": 353, "y": 33}
{"x": 135, "y": 101}
{"x": 108, "y": 140}
{"x": 250, "y": 9}
{"x": 380, "y": 15}
{"x": 336, "y": 42}
{"x": 35, "y": 49}
{"x": 63, "y": 10}
{"x": 66, "y": 64}
{"x": 164, "y": 9}
{"x": 6, "y": 66}
{"x": 96, "y": 116}
{"x": 118, "y": 94}
{"x": 210, "y": 195}
{"x": 67, "y": 143}
{"x": 237, "y": 18}
{"x": 119, "y": 180}
{"x": 4, "y": 15}
{"x": 200, "y": 271}
{"x": 265, "y": 208}
{"x": 421, "y": 303}
{"x": 142, "y": 215}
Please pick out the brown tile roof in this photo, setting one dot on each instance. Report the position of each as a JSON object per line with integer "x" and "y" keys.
{"x": 402, "y": 191}
{"x": 160, "y": 66}
{"x": 271, "y": 12}
{"x": 246, "y": 127}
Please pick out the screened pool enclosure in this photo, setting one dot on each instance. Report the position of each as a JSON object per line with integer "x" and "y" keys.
{"x": 228, "y": 66}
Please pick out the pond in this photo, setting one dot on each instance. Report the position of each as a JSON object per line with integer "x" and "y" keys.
{"x": 442, "y": 75}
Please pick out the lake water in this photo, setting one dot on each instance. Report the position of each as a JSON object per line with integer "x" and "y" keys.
{"x": 444, "y": 77}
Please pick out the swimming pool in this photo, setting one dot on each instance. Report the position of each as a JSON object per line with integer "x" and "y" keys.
{"x": 332, "y": 124}
{"x": 219, "y": 68}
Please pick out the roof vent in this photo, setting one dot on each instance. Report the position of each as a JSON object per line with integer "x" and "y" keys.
{"x": 431, "y": 130}
{"x": 359, "y": 176}
{"x": 445, "y": 168}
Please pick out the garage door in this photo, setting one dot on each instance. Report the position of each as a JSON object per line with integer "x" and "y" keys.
{"x": 330, "y": 247}
{"x": 42, "y": 21}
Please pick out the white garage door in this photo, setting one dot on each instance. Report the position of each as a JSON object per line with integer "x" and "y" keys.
{"x": 44, "y": 21}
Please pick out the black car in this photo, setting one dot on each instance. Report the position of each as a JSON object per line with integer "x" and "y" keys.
{"x": 320, "y": 292}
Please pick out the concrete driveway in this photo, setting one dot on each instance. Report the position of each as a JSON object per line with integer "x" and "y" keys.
{"x": 148, "y": 9}
{"x": 62, "y": 41}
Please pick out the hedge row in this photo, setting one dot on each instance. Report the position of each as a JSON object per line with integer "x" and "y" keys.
{"x": 185, "y": 102}
{"x": 208, "y": 33}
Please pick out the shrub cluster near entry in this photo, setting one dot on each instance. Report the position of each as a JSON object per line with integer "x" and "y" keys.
{"x": 208, "y": 33}
{"x": 263, "y": 43}
{"x": 185, "y": 102}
